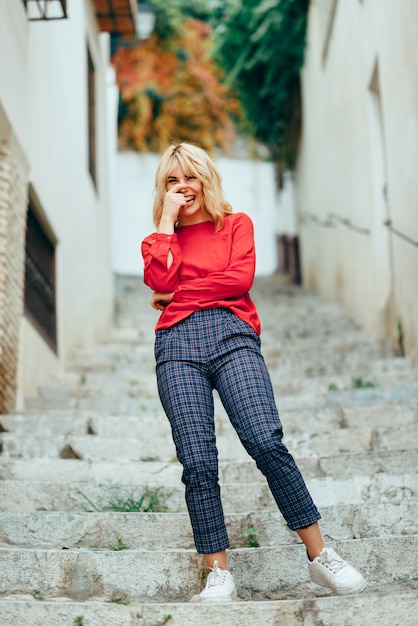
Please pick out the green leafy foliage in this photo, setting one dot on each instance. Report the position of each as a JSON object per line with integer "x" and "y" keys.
{"x": 122, "y": 601}
{"x": 359, "y": 383}
{"x": 171, "y": 15}
{"x": 260, "y": 44}
{"x": 163, "y": 621}
{"x": 118, "y": 545}
{"x": 170, "y": 87}
{"x": 151, "y": 501}
{"x": 399, "y": 327}
{"x": 250, "y": 536}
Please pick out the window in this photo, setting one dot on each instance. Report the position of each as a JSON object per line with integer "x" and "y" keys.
{"x": 45, "y": 9}
{"x": 91, "y": 115}
{"x": 40, "y": 300}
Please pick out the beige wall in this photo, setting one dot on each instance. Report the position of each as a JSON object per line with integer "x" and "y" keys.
{"x": 43, "y": 93}
{"x": 359, "y": 161}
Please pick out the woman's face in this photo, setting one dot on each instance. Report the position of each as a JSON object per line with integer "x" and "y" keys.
{"x": 192, "y": 212}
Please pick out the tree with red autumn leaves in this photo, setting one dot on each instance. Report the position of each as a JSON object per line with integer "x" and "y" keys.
{"x": 171, "y": 90}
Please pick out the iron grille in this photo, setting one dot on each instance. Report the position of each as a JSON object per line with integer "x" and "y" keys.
{"x": 40, "y": 299}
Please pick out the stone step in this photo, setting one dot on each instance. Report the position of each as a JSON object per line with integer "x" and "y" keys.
{"x": 135, "y": 405}
{"x": 131, "y": 406}
{"x": 399, "y": 393}
{"x": 111, "y": 386}
{"x": 84, "y": 424}
{"x": 120, "y": 359}
{"x": 95, "y": 448}
{"x": 141, "y": 382}
{"x": 338, "y": 373}
{"x": 98, "y": 405}
{"x": 342, "y": 371}
{"x": 286, "y": 386}
{"x": 278, "y": 357}
{"x": 57, "y": 529}
{"x": 306, "y": 306}
{"x": 340, "y": 466}
{"x": 313, "y": 366}
{"x": 382, "y": 609}
{"x": 156, "y": 446}
{"x": 274, "y": 342}
{"x": 318, "y": 420}
{"x": 302, "y": 340}
{"x": 355, "y": 447}
{"x": 48, "y": 496}
{"x": 171, "y": 575}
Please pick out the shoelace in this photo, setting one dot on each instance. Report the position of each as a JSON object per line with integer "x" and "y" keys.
{"x": 331, "y": 560}
{"x": 217, "y": 576}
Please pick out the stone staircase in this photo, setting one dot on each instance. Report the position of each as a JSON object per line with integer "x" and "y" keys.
{"x": 96, "y": 438}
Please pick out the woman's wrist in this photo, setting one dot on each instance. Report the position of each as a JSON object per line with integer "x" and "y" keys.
{"x": 166, "y": 226}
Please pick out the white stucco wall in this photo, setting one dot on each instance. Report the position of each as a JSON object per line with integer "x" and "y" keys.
{"x": 248, "y": 185}
{"x": 43, "y": 92}
{"x": 359, "y": 160}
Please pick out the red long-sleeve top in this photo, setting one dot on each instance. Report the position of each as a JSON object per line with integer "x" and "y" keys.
{"x": 209, "y": 270}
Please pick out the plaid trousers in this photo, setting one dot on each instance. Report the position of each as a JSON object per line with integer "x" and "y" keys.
{"x": 215, "y": 349}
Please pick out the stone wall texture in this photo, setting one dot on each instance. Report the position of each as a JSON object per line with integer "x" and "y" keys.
{"x": 13, "y": 204}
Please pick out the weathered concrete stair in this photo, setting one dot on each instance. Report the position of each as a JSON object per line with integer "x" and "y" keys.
{"x": 350, "y": 410}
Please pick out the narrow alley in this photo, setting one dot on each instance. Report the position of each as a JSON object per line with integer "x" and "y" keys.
{"x": 95, "y": 446}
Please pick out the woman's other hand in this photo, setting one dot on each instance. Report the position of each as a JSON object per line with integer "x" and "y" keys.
{"x": 160, "y": 300}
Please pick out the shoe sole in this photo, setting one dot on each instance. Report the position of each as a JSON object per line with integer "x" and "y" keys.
{"x": 215, "y": 600}
{"x": 353, "y": 590}
{"x": 360, "y": 587}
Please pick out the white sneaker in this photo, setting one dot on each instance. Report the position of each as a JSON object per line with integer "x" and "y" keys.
{"x": 219, "y": 586}
{"x": 330, "y": 570}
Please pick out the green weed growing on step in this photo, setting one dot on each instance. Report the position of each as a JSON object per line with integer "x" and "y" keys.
{"x": 118, "y": 546}
{"x": 332, "y": 387}
{"x": 250, "y": 535}
{"x": 121, "y": 601}
{"x": 151, "y": 501}
{"x": 39, "y": 598}
{"x": 78, "y": 621}
{"x": 164, "y": 620}
{"x": 359, "y": 383}
{"x": 401, "y": 347}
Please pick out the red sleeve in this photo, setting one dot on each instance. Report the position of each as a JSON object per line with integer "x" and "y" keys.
{"x": 155, "y": 249}
{"x": 236, "y": 280}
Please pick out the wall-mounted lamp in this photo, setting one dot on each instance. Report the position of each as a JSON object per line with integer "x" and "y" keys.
{"x": 145, "y": 20}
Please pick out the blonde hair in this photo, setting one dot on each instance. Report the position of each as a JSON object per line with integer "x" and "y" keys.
{"x": 194, "y": 162}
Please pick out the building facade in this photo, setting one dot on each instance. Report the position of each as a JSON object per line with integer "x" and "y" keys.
{"x": 355, "y": 188}
{"x": 58, "y": 115}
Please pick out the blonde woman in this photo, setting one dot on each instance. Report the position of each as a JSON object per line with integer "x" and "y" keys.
{"x": 200, "y": 264}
